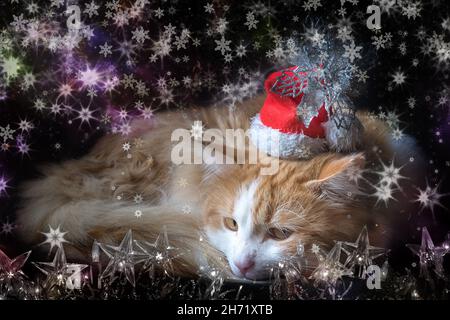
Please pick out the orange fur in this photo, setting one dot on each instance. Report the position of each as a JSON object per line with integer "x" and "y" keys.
{"x": 313, "y": 198}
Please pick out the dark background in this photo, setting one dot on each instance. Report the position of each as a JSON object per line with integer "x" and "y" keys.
{"x": 427, "y": 82}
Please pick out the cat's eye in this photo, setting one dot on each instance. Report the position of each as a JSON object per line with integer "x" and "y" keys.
{"x": 230, "y": 224}
{"x": 279, "y": 234}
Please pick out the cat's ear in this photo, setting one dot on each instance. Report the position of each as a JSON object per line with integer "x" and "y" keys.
{"x": 339, "y": 176}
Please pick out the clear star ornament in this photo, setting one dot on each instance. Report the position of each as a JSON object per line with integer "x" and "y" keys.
{"x": 61, "y": 277}
{"x": 430, "y": 257}
{"x": 330, "y": 269}
{"x": 122, "y": 259}
{"x": 158, "y": 255}
{"x": 12, "y": 280}
{"x": 360, "y": 254}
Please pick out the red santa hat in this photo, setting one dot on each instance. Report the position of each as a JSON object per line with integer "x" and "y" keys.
{"x": 291, "y": 121}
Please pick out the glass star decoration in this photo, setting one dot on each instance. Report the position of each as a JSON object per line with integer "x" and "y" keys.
{"x": 159, "y": 255}
{"x": 287, "y": 274}
{"x": 430, "y": 257}
{"x": 122, "y": 259}
{"x": 330, "y": 269}
{"x": 216, "y": 279}
{"x": 446, "y": 243}
{"x": 360, "y": 254}
{"x": 12, "y": 267}
{"x": 61, "y": 273}
{"x": 54, "y": 237}
{"x": 13, "y": 282}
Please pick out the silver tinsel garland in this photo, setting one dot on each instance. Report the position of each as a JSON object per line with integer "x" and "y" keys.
{"x": 140, "y": 270}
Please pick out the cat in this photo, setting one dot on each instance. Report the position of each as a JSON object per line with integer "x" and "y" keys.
{"x": 225, "y": 216}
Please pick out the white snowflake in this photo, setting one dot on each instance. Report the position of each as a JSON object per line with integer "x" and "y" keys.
{"x": 387, "y": 5}
{"x": 411, "y": 102}
{"x": 140, "y": 35}
{"x": 32, "y": 8}
{"x": 389, "y": 182}
{"x": 138, "y": 198}
{"x": 105, "y": 49}
{"x": 209, "y": 8}
{"x": 398, "y": 78}
{"x": 162, "y": 47}
{"x": 446, "y": 24}
{"x": 223, "y": 45}
{"x": 91, "y": 9}
{"x": 221, "y": 26}
{"x": 384, "y": 193}
{"x": 182, "y": 182}
{"x": 397, "y": 134}
{"x": 442, "y": 52}
{"x": 6, "y": 133}
{"x": 121, "y": 18}
{"x": 361, "y": 75}
{"x": 126, "y": 146}
{"x": 25, "y": 125}
{"x": 390, "y": 175}
{"x": 411, "y": 9}
{"x": 7, "y": 227}
{"x": 429, "y": 198}
{"x": 19, "y": 23}
{"x": 3, "y": 185}
{"x": 159, "y": 13}
{"x": 197, "y": 130}
{"x": 344, "y": 33}
{"x": 141, "y": 88}
{"x": 241, "y": 51}
{"x": 315, "y": 248}
{"x": 313, "y": 35}
{"x": 55, "y": 237}
{"x": 311, "y": 4}
{"x": 181, "y": 41}
{"x": 85, "y": 114}
{"x": 10, "y": 67}
{"x": 128, "y": 81}
{"x": 186, "y": 209}
{"x": 251, "y": 21}
{"x": 147, "y": 112}
{"x": 352, "y": 51}
{"x": 57, "y": 3}
{"x": 402, "y": 48}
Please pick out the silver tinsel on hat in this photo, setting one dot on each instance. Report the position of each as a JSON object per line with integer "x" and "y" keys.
{"x": 323, "y": 74}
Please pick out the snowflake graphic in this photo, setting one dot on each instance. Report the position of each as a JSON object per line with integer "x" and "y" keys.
{"x": 429, "y": 198}
{"x": 223, "y": 45}
{"x": 352, "y": 51}
{"x": 140, "y": 35}
{"x": 91, "y": 9}
{"x": 6, "y": 133}
{"x": 54, "y": 237}
{"x": 197, "y": 130}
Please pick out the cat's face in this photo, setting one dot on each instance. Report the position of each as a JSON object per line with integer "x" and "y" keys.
{"x": 258, "y": 221}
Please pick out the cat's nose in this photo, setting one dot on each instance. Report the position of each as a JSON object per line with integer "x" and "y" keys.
{"x": 245, "y": 265}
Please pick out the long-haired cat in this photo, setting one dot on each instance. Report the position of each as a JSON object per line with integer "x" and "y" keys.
{"x": 210, "y": 212}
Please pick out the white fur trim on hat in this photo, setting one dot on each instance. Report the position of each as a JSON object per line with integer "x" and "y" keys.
{"x": 284, "y": 145}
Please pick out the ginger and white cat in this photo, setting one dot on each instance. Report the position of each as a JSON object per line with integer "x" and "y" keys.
{"x": 252, "y": 220}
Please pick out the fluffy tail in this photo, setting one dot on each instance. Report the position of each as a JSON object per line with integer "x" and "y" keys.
{"x": 108, "y": 222}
